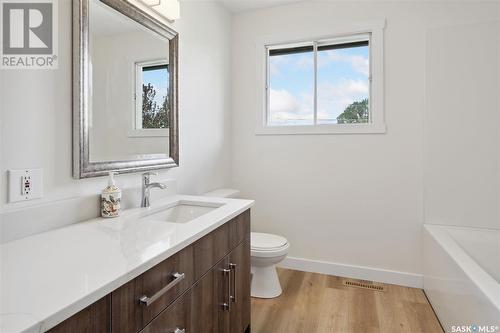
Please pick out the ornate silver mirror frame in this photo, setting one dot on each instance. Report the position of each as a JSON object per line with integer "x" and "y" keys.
{"x": 82, "y": 166}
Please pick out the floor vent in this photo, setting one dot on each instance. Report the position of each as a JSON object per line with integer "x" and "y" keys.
{"x": 364, "y": 285}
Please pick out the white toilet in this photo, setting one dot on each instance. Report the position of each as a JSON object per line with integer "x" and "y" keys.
{"x": 267, "y": 250}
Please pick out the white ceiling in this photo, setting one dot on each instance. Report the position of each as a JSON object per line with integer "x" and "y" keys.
{"x": 237, "y": 6}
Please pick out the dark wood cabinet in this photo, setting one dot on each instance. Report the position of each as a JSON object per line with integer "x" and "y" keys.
{"x": 203, "y": 312}
{"x": 239, "y": 229}
{"x": 95, "y": 318}
{"x": 204, "y": 288}
{"x": 174, "y": 319}
{"x": 218, "y": 303}
{"x": 211, "y": 249}
{"x": 232, "y": 290}
{"x": 239, "y": 263}
{"x": 129, "y": 315}
{"x": 222, "y": 289}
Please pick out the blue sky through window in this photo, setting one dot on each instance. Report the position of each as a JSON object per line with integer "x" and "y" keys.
{"x": 342, "y": 79}
{"x": 291, "y": 89}
{"x": 159, "y": 79}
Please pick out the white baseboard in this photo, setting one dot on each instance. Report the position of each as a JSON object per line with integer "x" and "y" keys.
{"x": 355, "y": 272}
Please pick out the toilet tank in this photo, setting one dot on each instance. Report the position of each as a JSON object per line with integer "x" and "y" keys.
{"x": 223, "y": 193}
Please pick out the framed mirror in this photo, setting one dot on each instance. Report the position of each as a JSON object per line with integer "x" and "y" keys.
{"x": 125, "y": 109}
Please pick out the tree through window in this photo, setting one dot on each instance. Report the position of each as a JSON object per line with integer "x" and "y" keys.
{"x": 152, "y": 110}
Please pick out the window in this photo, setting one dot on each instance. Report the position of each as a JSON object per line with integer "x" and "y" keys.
{"x": 151, "y": 114}
{"x": 343, "y": 82}
{"x": 324, "y": 85}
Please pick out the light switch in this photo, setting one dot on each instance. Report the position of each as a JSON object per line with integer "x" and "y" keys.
{"x": 25, "y": 184}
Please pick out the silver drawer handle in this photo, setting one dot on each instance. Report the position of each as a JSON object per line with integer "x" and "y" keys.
{"x": 232, "y": 295}
{"x": 178, "y": 277}
{"x": 226, "y": 306}
{"x": 178, "y": 330}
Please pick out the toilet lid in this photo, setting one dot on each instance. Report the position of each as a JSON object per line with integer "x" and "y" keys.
{"x": 266, "y": 241}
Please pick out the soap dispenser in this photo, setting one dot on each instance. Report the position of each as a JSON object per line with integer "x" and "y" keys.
{"x": 110, "y": 198}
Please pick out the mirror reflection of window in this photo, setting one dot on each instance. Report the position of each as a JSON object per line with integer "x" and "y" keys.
{"x": 155, "y": 103}
{"x": 152, "y": 109}
{"x": 123, "y": 53}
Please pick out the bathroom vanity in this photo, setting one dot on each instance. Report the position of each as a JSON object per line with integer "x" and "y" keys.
{"x": 182, "y": 265}
{"x": 205, "y": 287}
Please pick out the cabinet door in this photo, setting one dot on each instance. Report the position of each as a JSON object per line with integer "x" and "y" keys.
{"x": 204, "y": 308}
{"x": 221, "y": 287}
{"x": 239, "y": 264}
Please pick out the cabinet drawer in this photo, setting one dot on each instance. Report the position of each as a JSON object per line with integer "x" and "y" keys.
{"x": 239, "y": 229}
{"x": 93, "y": 319}
{"x": 210, "y": 249}
{"x": 174, "y": 319}
{"x": 161, "y": 285}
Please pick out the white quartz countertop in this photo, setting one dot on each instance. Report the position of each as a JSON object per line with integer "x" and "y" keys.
{"x": 47, "y": 278}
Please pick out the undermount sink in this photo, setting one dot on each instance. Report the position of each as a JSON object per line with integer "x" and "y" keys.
{"x": 183, "y": 212}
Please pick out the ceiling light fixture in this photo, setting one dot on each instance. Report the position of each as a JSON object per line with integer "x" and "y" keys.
{"x": 151, "y": 3}
{"x": 166, "y": 9}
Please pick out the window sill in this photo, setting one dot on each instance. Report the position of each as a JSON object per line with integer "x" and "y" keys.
{"x": 322, "y": 129}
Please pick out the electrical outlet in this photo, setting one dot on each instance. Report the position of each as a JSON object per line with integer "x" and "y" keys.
{"x": 25, "y": 184}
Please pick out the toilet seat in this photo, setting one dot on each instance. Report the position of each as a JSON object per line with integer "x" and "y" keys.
{"x": 267, "y": 245}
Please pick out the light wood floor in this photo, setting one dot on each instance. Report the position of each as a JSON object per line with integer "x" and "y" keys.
{"x": 320, "y": 303}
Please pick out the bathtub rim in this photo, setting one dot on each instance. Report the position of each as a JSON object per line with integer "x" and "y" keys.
{"x": 481, "y": 279}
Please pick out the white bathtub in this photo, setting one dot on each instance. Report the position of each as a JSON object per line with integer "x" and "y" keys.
{"x": 462, "y": 277}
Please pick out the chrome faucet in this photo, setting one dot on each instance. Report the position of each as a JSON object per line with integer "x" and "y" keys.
{"x": 146, "y": 186}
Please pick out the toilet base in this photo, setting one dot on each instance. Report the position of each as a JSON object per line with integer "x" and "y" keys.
{"x": 265, "y": 282}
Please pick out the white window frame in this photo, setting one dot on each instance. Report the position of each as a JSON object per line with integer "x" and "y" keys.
{"x": 136, "y": 129}
{"x": 374, "y": 30}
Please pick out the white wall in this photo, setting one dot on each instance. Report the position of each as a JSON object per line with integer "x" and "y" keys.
{"x": 36, "y": 125}
{"x": 349, "y": 199}
{"x": 462, "y": 125}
